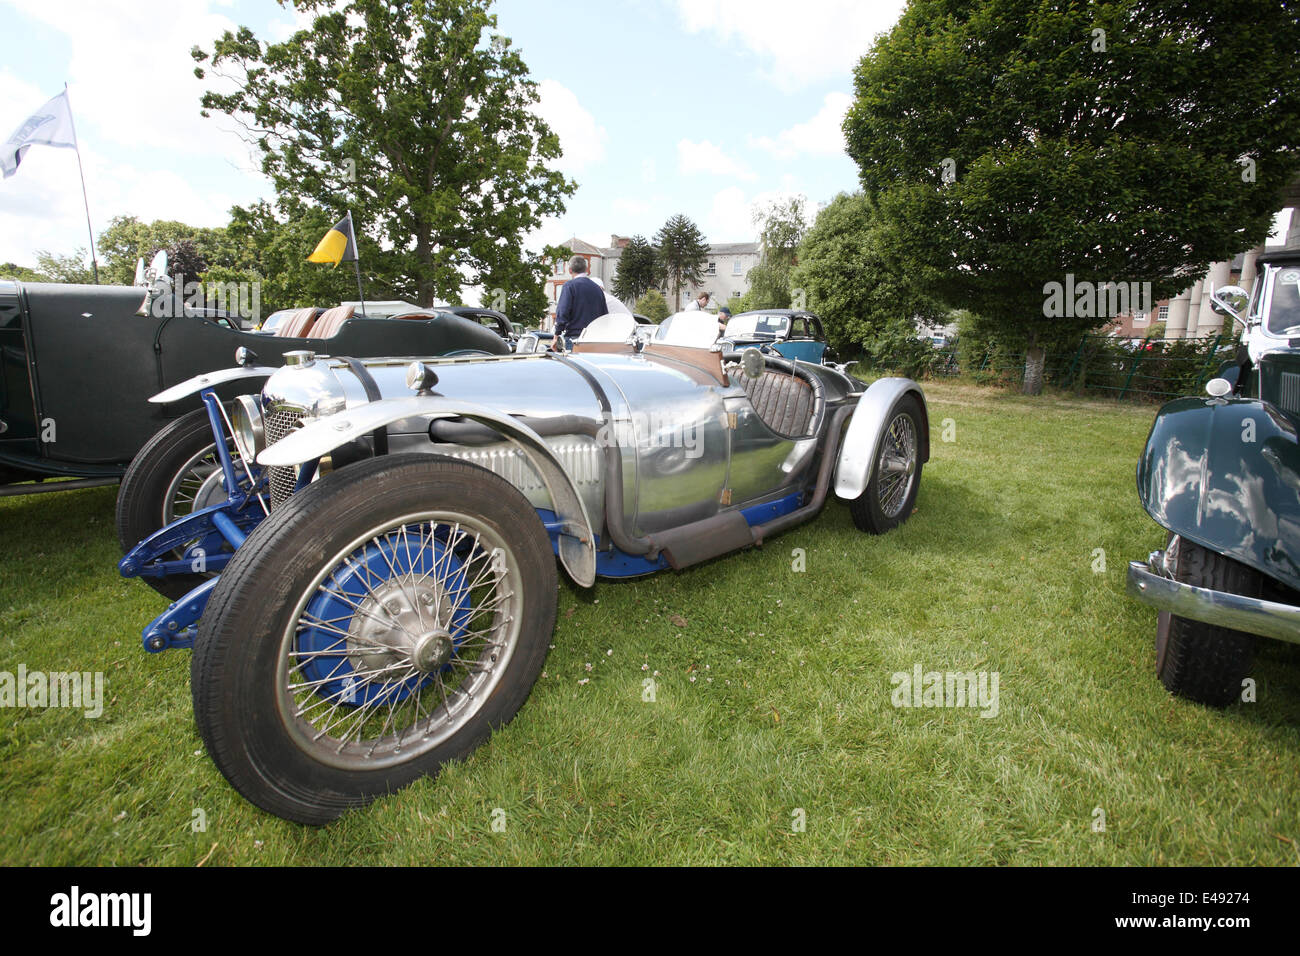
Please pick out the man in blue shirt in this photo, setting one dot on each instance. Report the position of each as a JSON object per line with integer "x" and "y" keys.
{"x": 581, "y": 301}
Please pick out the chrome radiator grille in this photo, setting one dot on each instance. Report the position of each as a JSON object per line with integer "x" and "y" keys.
{"x": 1289, "y": 392}
{"x": 283, "y": 478}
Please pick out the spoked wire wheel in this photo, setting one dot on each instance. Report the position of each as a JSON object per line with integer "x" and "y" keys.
{"x": 380, "y": 622}
{"x": 199, "y": 483}
{"x": 400, "y": 641}
{"x": 897, "y": 464}
{"x": 891, "y": 489}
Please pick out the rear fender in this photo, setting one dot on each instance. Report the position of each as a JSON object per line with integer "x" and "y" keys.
{"x": 577, "y": 549}
{"x": 1225, "y": 473}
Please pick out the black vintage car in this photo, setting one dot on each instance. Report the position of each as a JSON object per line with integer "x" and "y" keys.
{"x": 1221, "y": 474}
{"x": 79, "y": 362}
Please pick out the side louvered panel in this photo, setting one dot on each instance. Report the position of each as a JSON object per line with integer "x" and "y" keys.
{"x": 1289, "y": 392}
{"x": 583, "y": 461}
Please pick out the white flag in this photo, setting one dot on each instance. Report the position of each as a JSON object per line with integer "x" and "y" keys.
{"x": 51, "y": 125}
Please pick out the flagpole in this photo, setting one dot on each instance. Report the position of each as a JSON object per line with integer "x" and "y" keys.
{"x": 76, "y": 146}
{"x": 356, "y": 261}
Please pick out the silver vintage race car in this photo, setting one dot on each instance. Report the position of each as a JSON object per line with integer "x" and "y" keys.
{"x": 387, "y": 534}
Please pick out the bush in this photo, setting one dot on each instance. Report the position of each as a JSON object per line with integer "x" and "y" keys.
{"x": 898, "y": 348}
{"x": 653, "y": 306}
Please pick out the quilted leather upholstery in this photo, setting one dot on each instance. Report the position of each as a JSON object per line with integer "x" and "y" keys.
{"x": 299, "y": 324}
{"x": 329, "y": 324}
{"x": 782, "y": 401}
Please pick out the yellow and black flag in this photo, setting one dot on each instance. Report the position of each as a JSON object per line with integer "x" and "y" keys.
{"x": 339, "y": 244}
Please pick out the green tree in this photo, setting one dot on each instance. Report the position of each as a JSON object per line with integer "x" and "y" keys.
{"x": 638, "y": 270}
{"x": 413, "y": 114}
{"x": 12, "y": 270}
{"x": 850, "y": 279}
{"x": 74, "y": 268}
{"x": 682, "y": 254}
{"x": 518, "y": 289}
{"x": 127, "y": 239}
{"x": 653, "y": 306}
{"x": 270, "y": 247}
{"x": 1009, "y": 143}
{"x": 782, "y": 225}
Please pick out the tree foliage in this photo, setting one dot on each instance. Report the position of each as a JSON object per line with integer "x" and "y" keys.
{"x": 854, "y": 283}
{"x": 638, "y": 270}
{"x": 413, "y": 114}
{"x": 1009, "y": 143}
{"x": 270, "y": 246}
{"x": 186, "y": 262}
{"x": 653, "y": 306}
{"x": 782, "y": 224}
{"x": 127, "y": 239}
{"x": 682, "y": 254}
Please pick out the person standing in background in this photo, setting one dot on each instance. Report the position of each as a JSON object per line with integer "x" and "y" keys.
{"x": 581, "y": 301}
{"x": 700, "y": 303}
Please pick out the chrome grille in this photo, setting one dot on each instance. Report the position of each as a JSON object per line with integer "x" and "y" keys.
{"x": 1289, "y": 391}
{"x": 283, "y": 478}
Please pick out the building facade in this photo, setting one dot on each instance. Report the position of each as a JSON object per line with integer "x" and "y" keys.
{"x": 725, "y": 274}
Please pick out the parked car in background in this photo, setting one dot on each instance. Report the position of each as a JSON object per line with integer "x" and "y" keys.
{"x": 387, "y": 554}
{"x": 1221, "y": 474}
{"x": 791, "y": 333}
{"x": 79, "y": 363}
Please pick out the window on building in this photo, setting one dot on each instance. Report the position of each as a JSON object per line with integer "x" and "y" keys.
{"x": 735, "y": 268}
{"x": 1162, "y": 314}
{"x": 713, "y": 269}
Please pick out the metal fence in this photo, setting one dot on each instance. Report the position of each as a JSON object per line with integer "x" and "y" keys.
{"x": 1125, "y": 368}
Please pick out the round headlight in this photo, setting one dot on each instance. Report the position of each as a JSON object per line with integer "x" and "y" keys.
{"x": 246, "y": 421}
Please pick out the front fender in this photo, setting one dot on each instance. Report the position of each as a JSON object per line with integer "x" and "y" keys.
{"x": 577, "y": 549}
{"x": 1225, "y": 473}
{"x": 192, "y": 386}
{"x": 862, "y": 439}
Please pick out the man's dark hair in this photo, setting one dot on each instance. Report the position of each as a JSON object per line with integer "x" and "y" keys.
{"x": 577, "y": 264}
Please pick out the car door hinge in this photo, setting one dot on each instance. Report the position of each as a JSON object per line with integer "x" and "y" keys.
{"x": 725, "y": 497}
{"x": 731, "y": 420}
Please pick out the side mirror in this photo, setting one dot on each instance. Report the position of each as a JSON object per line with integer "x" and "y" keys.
{"x": 751, "y": 362}
{"x": 139, "y": 272}
{"x": 1230, "y": 301}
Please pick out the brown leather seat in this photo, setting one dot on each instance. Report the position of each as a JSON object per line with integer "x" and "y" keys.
{"x": 783, "y": 401}
{"x": 329, "y": 324}
{"x": 299, "y": 324}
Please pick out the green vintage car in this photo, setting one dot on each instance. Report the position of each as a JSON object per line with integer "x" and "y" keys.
{"x": 78, "y": 364}
{"x": 1222, "y": 475}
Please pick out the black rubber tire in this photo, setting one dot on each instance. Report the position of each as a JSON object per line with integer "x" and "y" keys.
{"x": 234, "y": 663}
{"x": 867, "y": 514}
{"x": 1200, "y": 661}
{"x": 140, "y": 505}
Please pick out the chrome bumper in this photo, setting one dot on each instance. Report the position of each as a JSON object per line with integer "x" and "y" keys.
{"x": 1252, "y": 615}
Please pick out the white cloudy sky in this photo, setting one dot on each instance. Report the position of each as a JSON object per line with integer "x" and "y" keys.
{"x": 697, "y": 106}
{"x": 703, "y": 107}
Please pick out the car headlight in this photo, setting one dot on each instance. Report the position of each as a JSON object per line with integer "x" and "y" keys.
{"x": 247, "y": 424}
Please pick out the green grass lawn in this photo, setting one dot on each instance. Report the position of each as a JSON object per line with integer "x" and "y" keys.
{"x": 773, "y": 702}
